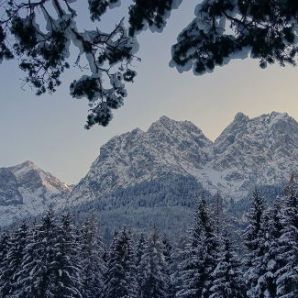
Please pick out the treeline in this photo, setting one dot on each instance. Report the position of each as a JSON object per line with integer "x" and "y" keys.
{"x": 55, "y": 258}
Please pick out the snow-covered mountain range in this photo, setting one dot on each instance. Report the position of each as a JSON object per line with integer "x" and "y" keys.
{"x": 248, "y": 153}
{"x": 176, "y": 156}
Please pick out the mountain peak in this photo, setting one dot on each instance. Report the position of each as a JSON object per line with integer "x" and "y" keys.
{"x": 165, "y": 118}
{"x": 241, "y": 117}
{"x": 162, "y": 122}
{"x": 27, "y": 164}
{"x": 23, "y": 168}
{"x": 166, "y": 123}
{"x": 242, "y": 123}
{"x": 275, "y": 117}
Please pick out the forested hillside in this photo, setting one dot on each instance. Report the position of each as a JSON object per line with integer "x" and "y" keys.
{"x": 56, "y": 258}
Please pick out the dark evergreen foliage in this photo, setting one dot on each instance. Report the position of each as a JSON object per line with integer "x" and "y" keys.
{"x": 43, "y": 51}
{"x": 254, "y": 241}
{"x": 220, "y": 31}
{"x": 199, "y": 257}
{"x": 269, "y": 263}
{"x": 287, "y": 274}
{"x": 55, "y": 259}
{"x": 227, "y": 278}
{"x": 120, "y": 279}
{"x": 5, "y": 283}
{"x": 91, "y": 259}
{"x": 12, "y": 262}
{"x": 66, "y": 268}
{"x": 140, "y": 249}
{"x": 223, "y": 29}
{"x": 155, "y": 279}
{"x": 151, "y": 13}
{"x": 38, "y": 269}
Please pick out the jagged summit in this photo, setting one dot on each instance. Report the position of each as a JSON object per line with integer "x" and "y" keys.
{"x": 165, "y": 119}
{"x": 24, "y": 167}
{"x": 166, "y": 129}
{"x": 164, "y": 122}
{"x": 27, "y": 163}
{"x": 242, "y": 122}
{"x": 240, "y": 117}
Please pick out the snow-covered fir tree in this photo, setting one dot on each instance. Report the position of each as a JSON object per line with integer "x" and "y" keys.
{"x": 48, "y": 267}
{"x": 4, "y": 262}
{"x": 120, "y": 279}
{"x": 287, "y": 275}
{"x": 36, "y": 276}
{"x": 227, "y": 276}
{"x": 12, "y": 261}
{"x": 169, "y": 265}
{"x": 254, "y": 241}
{"x": 155, "y": 275}
{"x": 268, "y": 262}
{"x": 65, "y": 269}
{"x": 199, "y": 258}
{"x": 92, "y": 261}
{"x": 140, "y": 249}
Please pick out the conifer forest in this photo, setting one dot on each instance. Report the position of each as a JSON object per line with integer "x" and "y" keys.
{"x": 55, "y": 257}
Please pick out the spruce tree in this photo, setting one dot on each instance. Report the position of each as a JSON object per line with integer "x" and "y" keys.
{"x": 155, "y": 276}
{"x": 4, "y": 277}
{"x": 36, "y": 276}
{"x": 287, "y": 275}
{"x": 227, "y": 276}
{"x": 65, "y": 269}
{"x": 140, "y": 249}
{"x": 269, "y": 263}
{"x": 92, "y": 259}
{"x": 169, "y": 263}
{"x": 254, "y": 242}
{"x": 199, "y": 257}
{"x": 120, "y": 277}
{"x": 13, "y": 260}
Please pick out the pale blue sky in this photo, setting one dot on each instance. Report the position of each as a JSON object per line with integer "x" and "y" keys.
{"x": 49, "y": 130}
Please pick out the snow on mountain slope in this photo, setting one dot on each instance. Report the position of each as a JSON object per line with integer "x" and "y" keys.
{"x": 258, "y": 151}
{"x": 168, "y": 147}
{"x": 249, "y": 152}
{"x": 26, "y": 190}
{"x": 139, "y": 166}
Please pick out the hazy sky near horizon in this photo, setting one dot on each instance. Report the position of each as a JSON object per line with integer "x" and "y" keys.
{"x": 49, "y": 130}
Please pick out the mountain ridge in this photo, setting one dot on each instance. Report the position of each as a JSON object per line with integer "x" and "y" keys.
{"x": 250, "y": 151}
{"x": 180, "y": 147}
